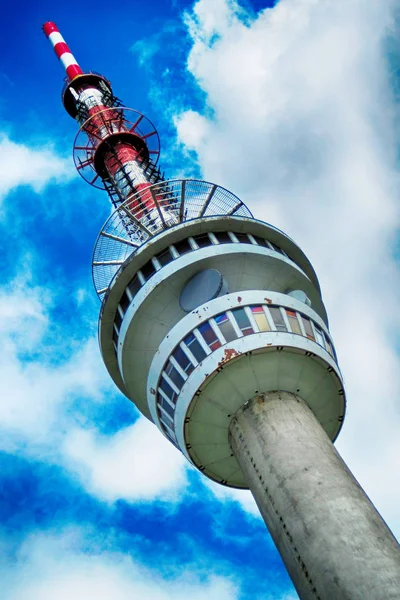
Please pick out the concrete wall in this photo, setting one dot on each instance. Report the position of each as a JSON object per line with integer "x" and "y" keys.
{"x": 332, "y": 540}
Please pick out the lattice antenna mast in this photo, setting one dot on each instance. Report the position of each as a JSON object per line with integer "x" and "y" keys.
{"x": 116, "y": 148}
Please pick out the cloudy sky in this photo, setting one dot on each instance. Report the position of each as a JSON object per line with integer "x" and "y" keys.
{"x": 293, "y": 107}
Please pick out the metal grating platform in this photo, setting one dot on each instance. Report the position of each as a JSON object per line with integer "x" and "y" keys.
{"x": 152, "y": 210}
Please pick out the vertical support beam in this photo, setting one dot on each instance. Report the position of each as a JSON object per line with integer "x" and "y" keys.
{"x": 334, "y": 543}
{"x": 182, "y": 206}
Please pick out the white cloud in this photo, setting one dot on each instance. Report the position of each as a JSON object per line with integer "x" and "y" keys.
{"x": 37, "y": 379}
{"x": 31, "y": 166}
{"x": 300, "y": 122}
{"x": 53, "y": 567}
{"x": 193, "y": 128}
{"x": 43, "y": 371}
{"x": 136, "y": 463}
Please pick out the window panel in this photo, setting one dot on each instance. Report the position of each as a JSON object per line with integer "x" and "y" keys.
{"x": 168, "y": 431}
{"x": 174, "y": 375}
{"x": 329, "y": 346}
{"x": 183, "y": 360}
{"x": 260, "y": 318}
{"x": 242, "y": 320}
{"x": 166, "y": 420}
{"x": 118, "y": 320}
{"x": 166, "y": 406}
{"x": 124, "y": 302}
{"x": 183, "y": 247}
{"x": 276, "y": 248}
{"x": 209, "y": 336}
{"x": 223, "y": 237}
{"x": 308, "y": 328}
{"x": 195, "y": 347}
{"x": 202, "y": 240}
{"x": 243, "y": 238}
{"x": 164, "y": 257}
{"x": 148, "y": 270}
{"x": 225, "y": 327}
{"x": 277, "y": 318}
{"x": 293, "y": 322}
{"x": 134, "y": 286}
{"x": 167, "y": 389}
{"x": 319, "y": 336}
{"x": 260, "y": 241}
{"x": 115, "y": 336}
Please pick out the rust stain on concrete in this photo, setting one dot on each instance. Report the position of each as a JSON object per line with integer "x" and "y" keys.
{"x": 229, "y": 353}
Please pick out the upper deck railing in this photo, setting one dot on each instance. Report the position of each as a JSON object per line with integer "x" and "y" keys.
{"x": 150, "y": 211}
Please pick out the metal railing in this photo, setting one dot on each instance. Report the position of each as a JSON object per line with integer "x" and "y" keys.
{"x": 149, "y": 212}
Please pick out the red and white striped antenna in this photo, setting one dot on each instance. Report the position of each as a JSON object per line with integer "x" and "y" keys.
{"x": 62, "y": 50}
{"x": 116, "y": 148}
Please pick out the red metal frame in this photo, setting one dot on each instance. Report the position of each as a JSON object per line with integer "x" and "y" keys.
{"x": 125, "y": 121}
{"x": 116, "y": 148}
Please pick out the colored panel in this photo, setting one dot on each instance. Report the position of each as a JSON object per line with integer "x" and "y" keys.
{"x": 226, "y": 328}
{"x": 308, "y": 328}
{"x": 260, "y": 318}
{"x": 242, "y": 320}
{"x": 277, "y": 318}
{"x": 293, "y": 322}
{"x": 209, "y": 336}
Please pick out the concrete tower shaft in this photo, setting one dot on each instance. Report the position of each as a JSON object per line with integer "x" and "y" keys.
{"x": 332, "y": 540}
{"x": 212, "y": 323}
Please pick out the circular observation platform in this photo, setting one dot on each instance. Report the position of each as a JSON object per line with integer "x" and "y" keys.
{"x": 144, "y": 300}
{"x": 167, "y": 361}
{"x": 131, "y": 225}
{"x": 208, "y": 367}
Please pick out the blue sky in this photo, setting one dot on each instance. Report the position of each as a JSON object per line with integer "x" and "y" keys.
{"x": 291, "y": 106}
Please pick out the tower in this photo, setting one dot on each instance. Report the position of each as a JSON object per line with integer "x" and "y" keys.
{"x": 212, "y": 322}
